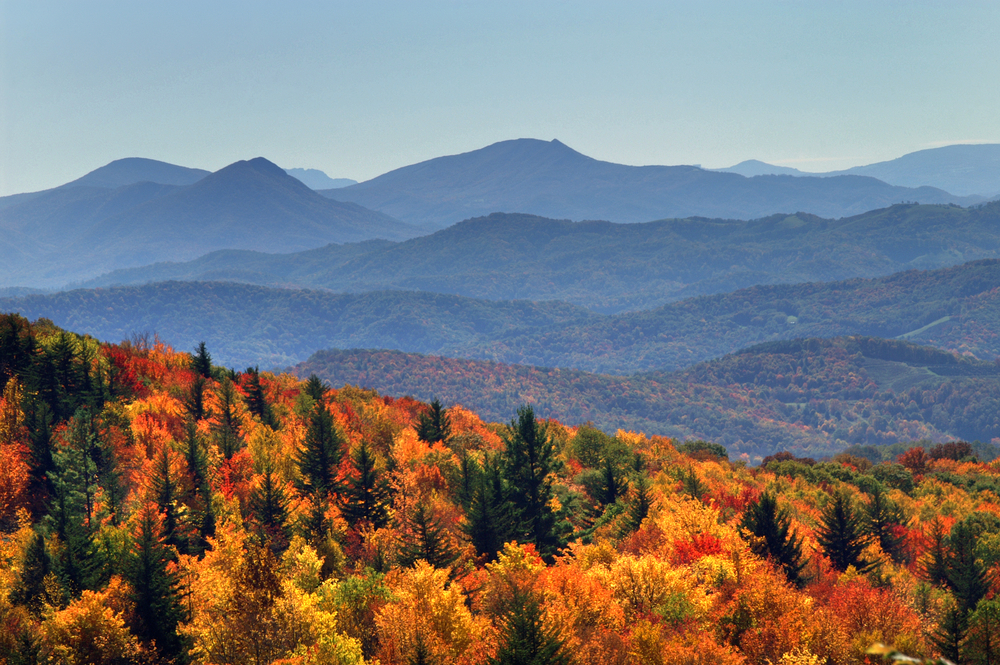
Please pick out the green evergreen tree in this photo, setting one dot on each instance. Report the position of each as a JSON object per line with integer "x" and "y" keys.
{"x": 321, "y": 456}
{"x": 934, "y": 564}
{"x": 269, "y": 506}
{"x": 981, "y": 645}
{"x": 968, "y": 578}
{"x": 30, "y": 590}
{"x": 158, "y": 608}
{"x": 638, "y": 507}
{"x": 489, "y": 518}
{"x": 202, "y": 518}
{"x": 421, "y": 654}
{"x": 950, "y": 632}
{"x": 693, "y": 485}
{"x": 769, "y": 529}
{"x": 256, "y": 400}
{"x": 884, "y": 520}
{"x": 529, "y": 460}
{"x": 613, "y": 484}
{"x": 842, "y": 534}
{"x": 166, "y": 491}
{"x": 41, "y": 464}
{"x": 469, "y": 476}
{"x": 425, "y": 538}
{"x": 315, "y": 388}
{"x": 365, "y": 497}
{"x": 195, "y": 401}
{"x": 201, "y": 361}
{"x": 226, "y": 428}
{"x": 434, "y": 424}
{"x": 524, "y": 637}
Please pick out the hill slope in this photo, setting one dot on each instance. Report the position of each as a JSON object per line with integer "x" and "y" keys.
{"x": 952, "y": 308}
{"x": 553, "y": 180}
{"x": 812, "y": 397}
{"x": 619, "y": 267}
{"x": 78, "y": 232}
{"x": 251, "y": 325}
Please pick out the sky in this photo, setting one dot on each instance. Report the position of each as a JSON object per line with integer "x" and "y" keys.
{"x": 360, "y": 88}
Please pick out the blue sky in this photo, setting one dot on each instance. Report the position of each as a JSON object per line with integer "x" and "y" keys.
{"x": 357, "y": 89}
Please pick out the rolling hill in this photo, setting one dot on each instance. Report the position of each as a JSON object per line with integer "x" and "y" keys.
{"x": 613, "y": 268}
{"x": 811, "y": 397}
{"x": 954, "y": 308}
{"x": 552, "y": 180}
{"x": 69, "y": 234}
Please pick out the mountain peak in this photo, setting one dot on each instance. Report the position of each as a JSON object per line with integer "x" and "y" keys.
{"x": 131, "y": 170}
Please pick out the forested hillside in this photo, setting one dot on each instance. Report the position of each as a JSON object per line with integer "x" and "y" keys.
{"x": 957, "y": 309}
{"x": 812, "y": 397}
{"x": 613, "y": 268}
{"x": 155, "y": 508}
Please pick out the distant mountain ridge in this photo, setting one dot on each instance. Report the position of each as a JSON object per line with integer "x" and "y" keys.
{"x": 617, "y": 267}
{"x": 957, "y": 309}
{"x": 315, "y": 179}
{"x": 961, "y": 169}
{"x": 552, "y": 180}
{"x": 72, "y": 233}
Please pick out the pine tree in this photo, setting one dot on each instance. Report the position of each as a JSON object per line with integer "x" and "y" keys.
{"x": 884, "y": 517}
{"x": 638, "y": 507}
{"x": 322, "y": 454}
{"x": 842, "y": 534}
{"x": 968, "y": 578}
{"x": 366, "y": 494}
{"x": 693, "y": 484}
{"x": 154, "y": 588}
{"x": 226, "y": 427}
{"x": 613, "y": 484}
{"x": 256, "y": 400}
{"x": 195, "y": 401}
{"x": 203, "y": 513}
{"x": 30, "y": 589}
{"x": 981, "y": 645}
{"x": 166, "y": 494}
{"x": 434, "y": 425}
{"x": 529, "y": 460}
{"x": 489, "y": 519}
{"x": 934, "y": 564}
{"x": 525, "y": 639}
{"x": 315, "y": 388}
{"x": 469, "y": 476}
{"x": 426, "y": 539}
{"x": 269, "y": 505}
{"x": 201, "y": 361}
{"x": 950, "y": 633}
{"x": 771, "y": 536}
{"x": 41, "y": 464}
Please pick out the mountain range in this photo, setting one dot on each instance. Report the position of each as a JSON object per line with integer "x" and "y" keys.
{"x": 552, "y": 180}
{"x": 957, "y": 309}
{"x": 71, "y": 233}
{"x": 963, "y": 170}
{"x": 612, "y": 268}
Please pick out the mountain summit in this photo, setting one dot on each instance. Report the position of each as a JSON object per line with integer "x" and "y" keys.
{"x": 74, "y": 233}
{"x": 551, "y": 179}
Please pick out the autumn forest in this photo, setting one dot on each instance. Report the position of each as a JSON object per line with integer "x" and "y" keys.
{"x": 158, "y": 508}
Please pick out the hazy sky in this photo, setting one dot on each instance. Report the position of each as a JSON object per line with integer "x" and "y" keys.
{"x": 360, "y": 88}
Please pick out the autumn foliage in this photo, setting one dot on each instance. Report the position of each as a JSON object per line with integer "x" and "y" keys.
{"x": 157, "y": 510}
